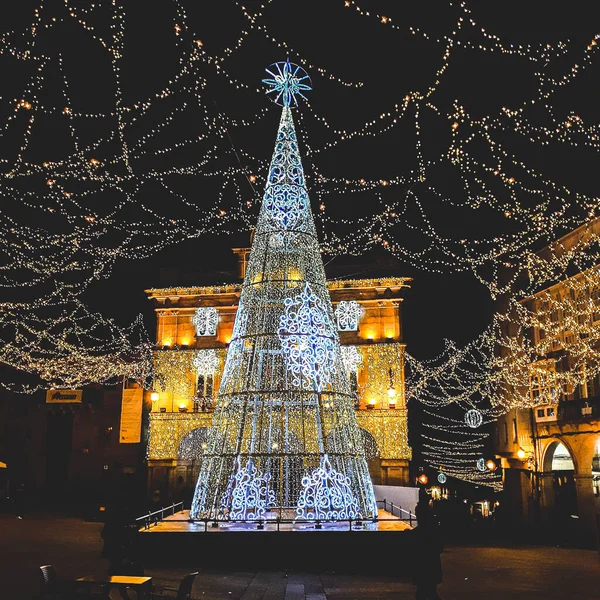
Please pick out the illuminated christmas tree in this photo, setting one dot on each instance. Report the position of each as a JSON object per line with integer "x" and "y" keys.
{"x": 284, "y": 434}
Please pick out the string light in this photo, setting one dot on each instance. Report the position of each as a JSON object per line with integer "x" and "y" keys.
{"x": 83, "y": 238}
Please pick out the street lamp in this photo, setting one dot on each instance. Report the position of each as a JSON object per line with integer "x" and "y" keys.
{"x": 491, "y": 465}
{"x": 391, "y": 391}
{"x": 520, "y": 454}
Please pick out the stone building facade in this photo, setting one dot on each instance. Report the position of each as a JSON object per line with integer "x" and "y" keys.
{"x": 551, "y": 452}
{"x": 194, "y": 327}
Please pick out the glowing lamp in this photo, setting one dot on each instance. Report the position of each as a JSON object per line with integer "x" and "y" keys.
{"x": 520, "y": 454}
{"x": 372, "y": 403}
{"x": 491, "y": 465}
{"x": 423, "y": 479}
{"x": 182, "y": 407}
{"x": 154, "y": 396}
{"x": 392, "y": 391}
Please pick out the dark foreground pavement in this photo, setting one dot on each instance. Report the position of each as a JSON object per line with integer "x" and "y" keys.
{"x": 482, "y": 573}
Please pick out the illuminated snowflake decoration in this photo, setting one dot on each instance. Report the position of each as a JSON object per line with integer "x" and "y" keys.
{"x": 351, "y": 359}
{"x": 286, "y": 82}
{"x": 308, "y": 340}
{"x": 348, "y": 313}
{"x": 481, "y": 464}
{"x": 250, "y": 495}
{"x": 206, "y": 361}
{"x": 205, "y": 321}
{"x": 473, "y": 418}
{"x": 326, "y": 495}
{"x": 442, "y": 478}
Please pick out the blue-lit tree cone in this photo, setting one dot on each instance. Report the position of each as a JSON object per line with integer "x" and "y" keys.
{"x": 284, "y": 436}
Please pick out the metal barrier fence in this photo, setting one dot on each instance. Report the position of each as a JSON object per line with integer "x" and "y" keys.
{"x": 403, "y": 515}
{"x": 153, "y": 518}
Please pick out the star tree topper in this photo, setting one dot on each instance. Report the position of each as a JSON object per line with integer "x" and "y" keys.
{"x": 287, "y": 81}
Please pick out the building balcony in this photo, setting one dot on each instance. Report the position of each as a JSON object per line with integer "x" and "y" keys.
{"x": 587, "y": 409}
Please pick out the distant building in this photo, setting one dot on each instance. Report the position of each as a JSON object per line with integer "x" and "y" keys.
{"x": 68, "y": 447}
{"x": 551, "y": 450}
{"x": 194, "y": 327}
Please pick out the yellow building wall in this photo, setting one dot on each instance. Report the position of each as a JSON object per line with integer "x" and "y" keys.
{"x": 378, "y": 340}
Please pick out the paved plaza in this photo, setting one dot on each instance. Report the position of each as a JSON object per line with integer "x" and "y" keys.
{"x": 483, "y": 572}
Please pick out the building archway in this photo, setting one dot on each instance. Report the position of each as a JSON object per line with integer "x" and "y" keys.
{"x": 373, "y": 455}
{"x": 560, "y": 490}
{"x": 370, "y": 444}
{"x": 596, "y": 472}
{"x": 191, "y": 446}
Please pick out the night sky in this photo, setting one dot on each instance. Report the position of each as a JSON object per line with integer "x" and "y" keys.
{"x": 391, "y": 64}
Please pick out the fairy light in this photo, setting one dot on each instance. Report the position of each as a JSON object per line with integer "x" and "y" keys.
{"x": 538, "y": 207}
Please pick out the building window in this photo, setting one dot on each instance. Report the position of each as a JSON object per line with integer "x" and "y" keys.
{"x": 204, "y": 387}
{"x": 352, "y": 360}
{"x": 505, "y": 432}
{"x": 206, "y": 362}
{"x": 205, "y": 321}
{"x": 542, "y": 382}
{"x": 547, "y": 413}
{"x": 515, "y": 431}
{"x": 347, "y": 314}
{"x": 595, "y": 296}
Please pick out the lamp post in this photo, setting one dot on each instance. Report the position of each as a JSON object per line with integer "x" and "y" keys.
{"x": 491, "y": 465}
{"x": 391, "y": 391}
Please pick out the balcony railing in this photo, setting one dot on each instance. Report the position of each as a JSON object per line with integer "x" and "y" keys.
{"x": 579, "y": 410}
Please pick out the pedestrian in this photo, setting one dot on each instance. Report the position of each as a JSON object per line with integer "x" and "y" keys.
{"x": 426, "y": 547}
{"x": 115, "y": 534}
